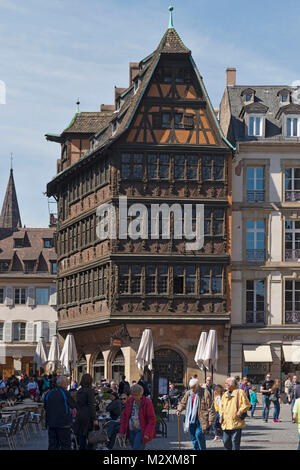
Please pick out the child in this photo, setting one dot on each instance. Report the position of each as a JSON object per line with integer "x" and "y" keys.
{"x": 253, "y": 400}
{"x": 218, "y": 392}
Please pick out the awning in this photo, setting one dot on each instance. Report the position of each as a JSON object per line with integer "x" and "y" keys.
{"x": 257, "y": 353}
{"x": 291, "y": 352}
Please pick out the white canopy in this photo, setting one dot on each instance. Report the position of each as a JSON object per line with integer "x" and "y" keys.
{"x": 210, "y": 355}
{"x": 200, "y": 350}
{"x": 145, "y": 353}
{"x": 41, "y": 353}
{"x": 292, "y": 352}
{"x": 53, "y": 357}
{"x": 69, "y": 353}
{"x": 256, "y": 353}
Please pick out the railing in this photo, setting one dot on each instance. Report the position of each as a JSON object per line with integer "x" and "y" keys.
{"x": 255, "y": 255}
{"x": 255, "y": 196}
{"x": 292, "y": 255}
{"x": 291, "y": 196}
{"x": 292, "y": 317}
{"x": 258, "y": 317}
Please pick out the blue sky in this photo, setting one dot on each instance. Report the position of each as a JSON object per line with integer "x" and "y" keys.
{"x": 51, "y": 53}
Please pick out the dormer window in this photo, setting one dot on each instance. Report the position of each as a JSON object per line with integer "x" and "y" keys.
{"x": 248, "y": 95}
{"x": 114, "y": 126}
{"x": 136, "y": 85}
{"x": 284, "y": 96}
{"x": 255, "y": 126}
{"x": 292, "y": 126}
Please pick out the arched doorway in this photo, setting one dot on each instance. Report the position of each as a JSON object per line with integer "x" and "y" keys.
{"x": 82, "y": 367}
{"x": 99, "y": 368}
{"x": 118, "y": 367}
{"x": 169, "y": 364}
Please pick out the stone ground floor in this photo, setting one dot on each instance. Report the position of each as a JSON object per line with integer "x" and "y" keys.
{"x": 257, "y": 435}
{"x": 104, "y": 356}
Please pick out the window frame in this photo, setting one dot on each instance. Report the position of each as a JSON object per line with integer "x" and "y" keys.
{"x": 255, "y": 311}
{"x": 261, "y": 127}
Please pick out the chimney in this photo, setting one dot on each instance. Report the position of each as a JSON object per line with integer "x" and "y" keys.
{"x": 118, "y": 92}
{"x": 230, "y": 76}
{"x": 134, "y": 68}
{"x": 53, "y": 220}
{"x": 107, "y": 108}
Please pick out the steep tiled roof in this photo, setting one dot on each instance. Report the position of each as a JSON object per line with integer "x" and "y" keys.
{"x": 88, "y": 123}
{"x": 171, "y": 43}
{"x": 31, "y": 250}
{"x": 265, "y": 96}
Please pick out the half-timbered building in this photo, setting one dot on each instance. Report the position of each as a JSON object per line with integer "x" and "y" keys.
{"x": 159, "y": 143}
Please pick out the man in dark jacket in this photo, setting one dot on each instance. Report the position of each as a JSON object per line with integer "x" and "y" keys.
{"x": 58, "y": 405}
{"x": 143, "y": 384}
{"x": 124, "y": 386}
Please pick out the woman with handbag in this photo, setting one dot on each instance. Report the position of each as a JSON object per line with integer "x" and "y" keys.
{"x": 274, "y": 398}
{"x": 86, "y": 412}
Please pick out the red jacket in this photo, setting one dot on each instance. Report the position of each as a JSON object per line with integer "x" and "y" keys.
{"x": 146, "y": 415}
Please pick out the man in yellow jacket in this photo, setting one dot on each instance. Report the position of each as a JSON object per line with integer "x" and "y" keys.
{"x": 233, "y": 405}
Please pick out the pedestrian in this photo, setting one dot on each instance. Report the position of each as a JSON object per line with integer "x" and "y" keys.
{"x": 209, "y": 385}
{"x": 114, "y": 429}
{"x": 274, "y": 398}
{"x": 296, "y": 417}
{"x": 253, "y": 400}
{"x": 86, "y": 412}
{"x": 113, "y": 386}
{"x": 287, "y": 384}
{"x": 33, "y": 389}
{"x": 114, "y": 407}
{"x": 266, "y": 389}
{"x": 58, "y": 405}
{"x": 174, "y": 396}
{"x": 138, "y": 419}
{"x": 200, "y": 413}
{"x": 244, "y": 386}
{"x": 234, "y": 406}
{"x": 218, "y": 393}
{"x": 238, "y": 379}
{"x": 144, "y": 384}
{"x": 133, "y": 382}
{"x": 124, "y": 386}
{"x": 291, "y": 394}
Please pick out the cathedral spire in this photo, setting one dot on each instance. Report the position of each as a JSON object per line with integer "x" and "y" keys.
{"x": 10, "y": 214}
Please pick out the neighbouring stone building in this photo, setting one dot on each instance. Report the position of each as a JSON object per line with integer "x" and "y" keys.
{"x": 263, "y": 122}
{"x": 27, "y": 287}
{"x": 159, "y": 143}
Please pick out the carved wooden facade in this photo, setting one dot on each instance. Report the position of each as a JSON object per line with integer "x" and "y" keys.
{"x": 162, "y": 145}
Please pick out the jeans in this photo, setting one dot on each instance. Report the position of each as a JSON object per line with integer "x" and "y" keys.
{"x": 252, "y": 410}
{"x": 266, "y": 407}
{"x": 112, "y": 434}
{"x": 232, "y": 439}
{"x": 299, "y": 441}
{"x": 276, "y": 409}
{"x": 59, "y": 438}
{"x": 292, "y": 406}
{"x": 198, "y": 437}
{"x": 216, "y": 425}
{"x": 136, "y": 440}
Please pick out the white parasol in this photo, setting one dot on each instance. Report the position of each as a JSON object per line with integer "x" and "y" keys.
{"x": 200, "y": 350}
{"x": 41, "y": 353}
{"x": 68, "y": 356}
{"x": 210, "y": 356}
{"x": 53, "y": 357}
{"x": 145, "y": 353}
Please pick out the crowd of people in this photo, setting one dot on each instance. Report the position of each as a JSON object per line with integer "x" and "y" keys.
{"x": 210, "y": 408}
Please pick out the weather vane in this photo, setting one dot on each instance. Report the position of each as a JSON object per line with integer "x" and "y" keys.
{"x": 11, "y": 161}
{"x": 78, "y": 103}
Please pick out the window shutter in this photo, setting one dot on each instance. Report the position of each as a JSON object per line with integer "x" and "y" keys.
{"x": 7, "y": 331}
{"x": 9, "y": 296}
{"x": 38, "y": 330}
{"x": 156, "y": 121}
{"x": 188, "y": 121}
{"x": 31, "y": 296}
{"x": 53, "y": 296}
{"x": 45, "y": 331}
{"x": 52, "y": 329}
{"x": 29, "y": 335}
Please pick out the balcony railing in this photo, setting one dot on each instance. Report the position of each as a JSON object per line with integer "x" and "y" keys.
{"x": 292, "y": 317}
{"x": 253, "y": 318}
{"x": 255, "y": 196}
{"x": 292, "y": 255}
{"x": 255, "y": 255}
{"x": 291, "y": 196}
